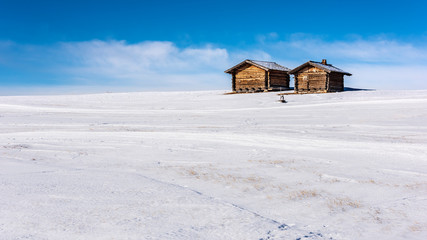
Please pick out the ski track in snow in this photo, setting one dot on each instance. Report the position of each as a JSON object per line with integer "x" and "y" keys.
{"x": 272, "y": 228}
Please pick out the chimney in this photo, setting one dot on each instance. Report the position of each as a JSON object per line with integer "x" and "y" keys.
{"x": 324, "y": 61}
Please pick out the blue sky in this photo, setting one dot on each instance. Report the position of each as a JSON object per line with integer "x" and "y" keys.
{"x": 186, "y": 45}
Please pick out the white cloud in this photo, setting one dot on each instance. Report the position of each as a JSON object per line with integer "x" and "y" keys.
{"x": 155, "y": 65}
{"x": 375, "y": 63}
{"x": 146, "y": 63}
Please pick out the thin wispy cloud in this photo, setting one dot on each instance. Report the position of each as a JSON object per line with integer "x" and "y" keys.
{"x": 375, "y": 51}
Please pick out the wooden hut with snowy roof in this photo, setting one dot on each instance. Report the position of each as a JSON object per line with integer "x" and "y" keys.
{"x": 318, "y": 77}
{"x": 259, "y": 76}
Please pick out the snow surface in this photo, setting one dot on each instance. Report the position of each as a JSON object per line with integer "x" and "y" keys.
{"x": 204, "y": 165}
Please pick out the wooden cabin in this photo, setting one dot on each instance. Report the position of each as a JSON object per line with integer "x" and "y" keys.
{"x": 312, "y": 77}
{"x": 258, "y": 76}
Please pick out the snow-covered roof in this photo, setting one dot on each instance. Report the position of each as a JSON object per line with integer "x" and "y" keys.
{"x": 326, "y": 67}
{"x": 261, "y": 64}
{"x": 270, "y": 65}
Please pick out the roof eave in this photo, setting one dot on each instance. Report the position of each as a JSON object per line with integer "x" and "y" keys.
{"x": 269, "y": 69}
{"x": 310, "y": 63}
{"x": 343, "y": 73}
{"x": 230, "y": 70}
{"x": 257, "y": 65}
{"x": 299, "y": 67}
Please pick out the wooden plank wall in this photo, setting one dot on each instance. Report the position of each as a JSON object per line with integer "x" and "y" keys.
{"x": 311, "y": 79}
{"x": 249, "y": 78}
{"x": 336, "y": 82}
{"x": 317, "y": 81}
{"x": 279, "y": 79}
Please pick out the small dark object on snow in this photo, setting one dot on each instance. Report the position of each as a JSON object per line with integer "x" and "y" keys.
{"x": 282, "y": 99}
{"x": 283, "y": 227}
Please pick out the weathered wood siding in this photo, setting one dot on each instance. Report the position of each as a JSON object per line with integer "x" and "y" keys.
{"x": 336, "y": 82}
{"x": 279, "y": 79}
{"x": 250, "y": 78}
{"x": 311, "y": 79}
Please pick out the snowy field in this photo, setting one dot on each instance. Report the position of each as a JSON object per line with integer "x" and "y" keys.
{"x": 204, "y": 165}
